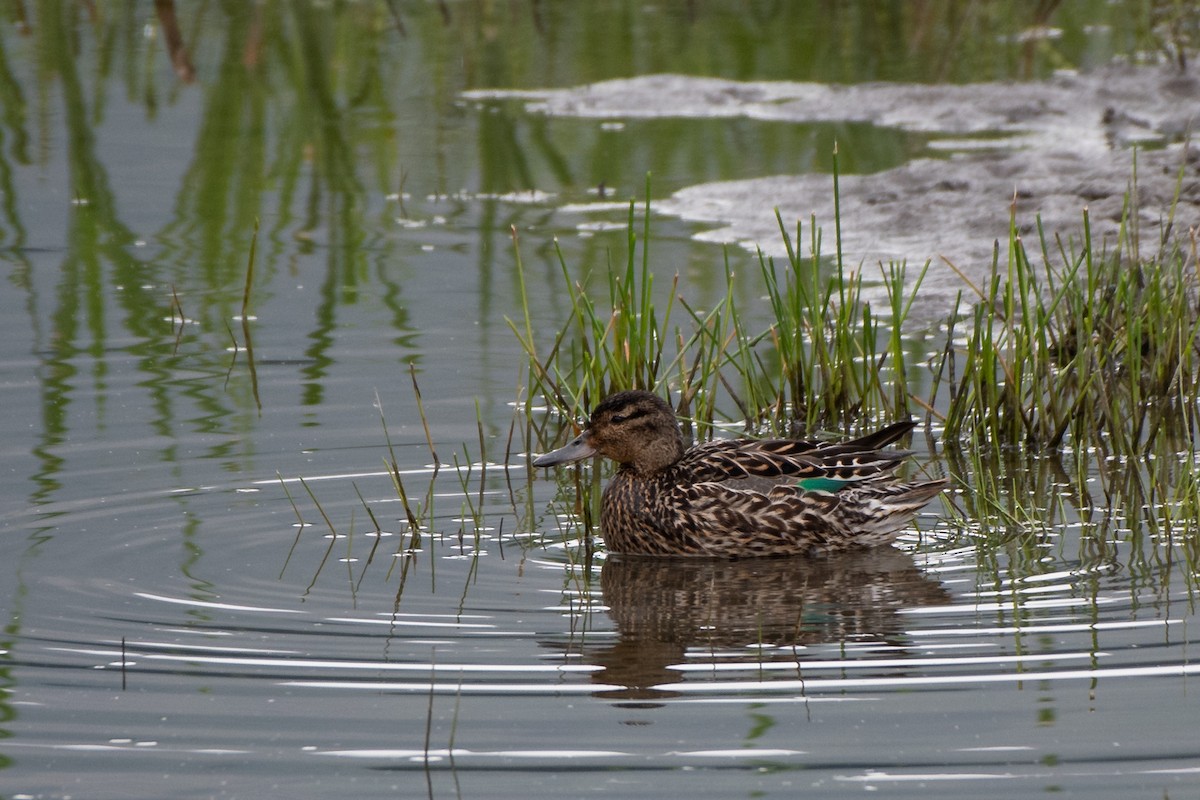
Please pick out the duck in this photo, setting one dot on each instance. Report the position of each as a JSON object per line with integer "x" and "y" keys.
{"x": 740, "y": 498}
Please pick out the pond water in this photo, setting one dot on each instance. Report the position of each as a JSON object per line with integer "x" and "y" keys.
{"x": 182, "y": 621}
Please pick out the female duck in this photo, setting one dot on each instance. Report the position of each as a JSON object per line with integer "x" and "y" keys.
{"x": 740, "y": 498}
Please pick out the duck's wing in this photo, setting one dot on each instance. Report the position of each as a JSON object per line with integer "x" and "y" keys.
{"x": 751, "y": 464}
{"x": 743, "y": 522}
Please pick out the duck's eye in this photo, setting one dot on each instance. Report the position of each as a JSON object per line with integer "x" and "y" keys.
{"x": 626, "y": 416}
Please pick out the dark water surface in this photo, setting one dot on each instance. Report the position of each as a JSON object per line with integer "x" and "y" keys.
{"x": 170, "y": 631}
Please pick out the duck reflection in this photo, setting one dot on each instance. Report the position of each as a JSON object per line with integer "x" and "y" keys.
{"x": 664, "y": 607}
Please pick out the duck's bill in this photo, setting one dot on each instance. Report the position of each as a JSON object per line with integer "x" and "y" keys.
{"x": 577, "y": 449}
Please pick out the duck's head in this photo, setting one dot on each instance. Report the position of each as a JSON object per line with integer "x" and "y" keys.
{"x": 636, "y": 429}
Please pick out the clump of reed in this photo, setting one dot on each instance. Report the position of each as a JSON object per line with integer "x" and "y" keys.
{"x": 1073, "y": 354}
{"x": 1093, "y": 349}
{"x": 1067, "y": 348}
{"x": 835, "y": 359}
{"x": 1084, "y": 346}
{"x": 827, "y": 359}
{"x": 600, "y": 350}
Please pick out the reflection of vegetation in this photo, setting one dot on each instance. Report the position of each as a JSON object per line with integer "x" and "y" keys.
{"x": 829, "y": 41}
{"x": 12, "y": 111}
{"x": 1030, "y": 514}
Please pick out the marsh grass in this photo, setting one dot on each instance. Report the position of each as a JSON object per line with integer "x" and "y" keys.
{"x": 1065, "y": 348}
{"x": 421, "y": 528}
{"x": 827, "y": 359}
{"x": 245, "y": 317}
{"x": 601, "y": 349}
{"x": 1094, "y": 349}
{"x": 837, "y": 361}
{"x": 1086, "y": 360}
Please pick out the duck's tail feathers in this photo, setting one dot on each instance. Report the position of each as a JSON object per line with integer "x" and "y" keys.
{"x": 884, "y": 436}
{"x": 886, "y": 509}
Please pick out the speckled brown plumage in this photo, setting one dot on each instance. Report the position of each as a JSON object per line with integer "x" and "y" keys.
{"x": 740, "y": 498}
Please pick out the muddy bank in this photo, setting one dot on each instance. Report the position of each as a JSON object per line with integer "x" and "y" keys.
{"x": 955, "y": 209}
{"x": 1057, "y": 146}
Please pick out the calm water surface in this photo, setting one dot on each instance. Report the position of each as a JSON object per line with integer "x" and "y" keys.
{"x": 181, "y": 621}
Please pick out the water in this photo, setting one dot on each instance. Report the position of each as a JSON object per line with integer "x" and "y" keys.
{"x": 171, "y": 632}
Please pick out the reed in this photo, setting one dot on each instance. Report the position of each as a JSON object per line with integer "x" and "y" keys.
{"x": 838, "y": 360}
{"x": 825, "y": 359}
{"x": 1089, "y": 348}
{"x": 1065, "y": 347}
{"x": 601, "y": 348}
{"x": 1086, "y": 357}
